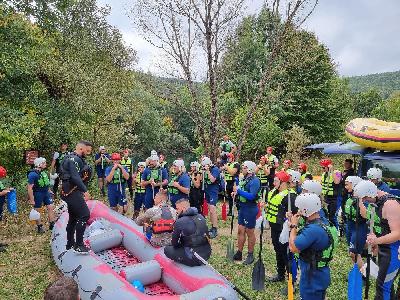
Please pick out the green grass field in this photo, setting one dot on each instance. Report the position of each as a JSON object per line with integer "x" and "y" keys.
{"x": 27, "y": 267}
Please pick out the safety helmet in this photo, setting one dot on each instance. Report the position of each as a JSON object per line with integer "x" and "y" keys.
{"x": 365, "y": 188}
{"x": 251, "y": 166}
{"x": 230, "y": 155}
{"x": 312, "y": 186}
{"x": 115, "y": 156}
{"x": 287, "y": 161}
{"x": 308, "y": 204}
{"x": 269, "y": 149}
{"x": 102, "y": 148}
{"x": 295, "y": 176}
{"x": 302, "y": 166}
{"x": 282, "y": 176}
{"x": 354, "y": 180}
{"x": 179, "y": 163}
{"x": 325, "y": 162}
{"x": 154, "y": 157}
{"x": 153, "y": 152}
{"x": 38, "y": 161}
{"x": 195, "y": 164}
{"x": 374, "y": 173}
{"x": 141, "y": 164}
{"x": 3, "y": 172}
{"x": 206, "y": 161}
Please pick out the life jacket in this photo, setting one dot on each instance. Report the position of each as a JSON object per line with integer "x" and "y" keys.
{"x": 191, "y": 181}
{"x": 274, "y": 201}
{"x": 262, "y": 176}
{"x": 244, "y": 185}
{"x": 127, "y": 163}
{"x": 43, "y": 180}
{"x": 381, "y": 225}
{"x": 304, "y": 176}
{"x": 320, "y": 259}
{"x": 350, "y": 210}
{"x": 271, "y": 160}
{"x": 227, "y": 175}
{"x": 156, "y": 174}
{"x": 171, "y": 188}
{"x": 2, "y": 187}
{"x": 163, "y": 164}
{"x": 327, "y": 184}
{"x": 118, "y": 178}
{"x": 165, "y": 223}
{"x": 139, "y": 189}
{"x": 200, "y": 237}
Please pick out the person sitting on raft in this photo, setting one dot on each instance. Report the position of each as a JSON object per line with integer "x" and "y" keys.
{"x": 158, "y": 221}
{"x": 190, "y": 235}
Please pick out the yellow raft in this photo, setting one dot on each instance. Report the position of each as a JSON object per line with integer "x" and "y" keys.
{"x": 374, "y": 133}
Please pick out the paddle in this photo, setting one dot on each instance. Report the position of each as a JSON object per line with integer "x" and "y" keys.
{"x": 354, "y": 290}
{"x": 368, "y": 271}
{"x": 203, "y": 261}
{"x": 230, "y": 247}
{"x": 290, "y": 279}
{"x": 223, "y": 208}
{"x": 204, "y": 209}
{"x": 258, "y": 274}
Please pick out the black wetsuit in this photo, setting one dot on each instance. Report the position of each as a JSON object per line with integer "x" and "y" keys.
{"x": 190, "y": 234}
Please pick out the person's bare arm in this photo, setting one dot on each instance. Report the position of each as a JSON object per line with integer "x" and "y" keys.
{"x": 52, "y": 166}
{"x": 391, "y": 212}
{"x": 30, "y": 194}
{"x": 110, "y": 176}
{"x": 363, "y": 209}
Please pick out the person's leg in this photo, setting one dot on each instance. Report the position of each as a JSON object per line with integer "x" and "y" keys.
{"x": 388, "y": 267}
{"x": 113, "y": 200}
{"x": 55, "y": 186}
{"x": 241, "y": 237}
{"x": 70, "y": 200}
{"x": 280, "y": 262}
{"x": 148, "y": 200}
{"x": 123, "y": 203}
{"x": 2, "y": 201}
{"x": 179, "y": 255}
{"x": 38, "y": 197}
{"x": 251, "y": 237}
{"x": 129, "y": 182}
{"x": 83, "y": 215}
{"x": 332, "y": 211}
{"x": 212, "y": 207}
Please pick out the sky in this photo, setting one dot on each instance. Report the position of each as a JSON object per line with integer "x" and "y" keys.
{"x": 363, "y": 36}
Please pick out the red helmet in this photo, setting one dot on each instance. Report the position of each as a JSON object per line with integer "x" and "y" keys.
{"x": 3, "y": 172}
{"x": 230, "y": 155}
{"x": 115, "y": 156}
{"x": 288, "y": 161}
{"x": 303, "y": 166}
{"x": 282, "y": 176}
{"x": 325, "y": 162}
{"x": 269, "y": 149}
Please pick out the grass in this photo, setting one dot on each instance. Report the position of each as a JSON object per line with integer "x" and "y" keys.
{"x": 27, "y": 267}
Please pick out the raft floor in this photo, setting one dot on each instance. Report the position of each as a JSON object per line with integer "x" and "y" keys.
{"x": 118, "y": 258}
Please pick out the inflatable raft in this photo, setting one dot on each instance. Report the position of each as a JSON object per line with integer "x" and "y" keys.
{"x": 374, "y": 133}
{"x": 121, "y": 254}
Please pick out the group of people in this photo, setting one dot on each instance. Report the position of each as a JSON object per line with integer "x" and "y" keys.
{"x": 169, "y": 203}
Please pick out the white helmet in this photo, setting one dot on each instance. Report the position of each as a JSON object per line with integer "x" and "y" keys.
{"x": 295, "y": 176}
{"x": 195, "y": 164}
{"x": 354, "y": 180}
{"x": 206, "y": 161}
{"x": 312, "y": 186}
{"x": 153, "y": 152}
{"x": 374, "y": 173}
{"x": 308, "y": 204}
{"x": 251, "y": 166}
{"x": 38, "y": 161}
{"x": 179, "y": 163}
{"x": 141, "y": 164}
{"x": 365, "y": 188}
{"x": 154, "y": 157}
{"x": 34, "y": 215}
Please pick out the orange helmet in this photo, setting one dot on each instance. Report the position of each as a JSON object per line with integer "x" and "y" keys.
{"x": 115, "y": 156}
{"x": 303, "y": 166}
{"x": 3, "y": 172}
{"x": 325, "y": 162}
{"x": 230, "y": 155}
{"x": 282, "y": 176}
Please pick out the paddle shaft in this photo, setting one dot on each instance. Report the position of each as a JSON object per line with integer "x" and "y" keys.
{"x": 290, "y": 277}
{"x": 211, "y": 267}
{"x": 368, "y": 271}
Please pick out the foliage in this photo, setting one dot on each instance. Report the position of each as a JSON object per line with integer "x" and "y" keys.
{"x": 365, "y": 102}
{"x": 386, "y": 83}
{"x": 389, "y": 109}
{"x": 296, "y": 139}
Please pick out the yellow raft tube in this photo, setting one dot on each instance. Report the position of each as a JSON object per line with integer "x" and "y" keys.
{"x": 374, "y": 133}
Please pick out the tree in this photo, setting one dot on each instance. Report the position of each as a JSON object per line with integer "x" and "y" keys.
{"x": 365, "y": 102}
{"x": 389, "y": 109}
{"x": 189, "y": 30}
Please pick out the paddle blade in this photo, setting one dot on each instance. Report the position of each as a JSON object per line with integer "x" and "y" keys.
{"x": 205, "y": 208}
{"x": 258, "y": 276}
{"x": 223, "y": 212}
{"x": 354, "y": 289}
{"x": 290, "y": 288}
{"x": 230, "y": 252}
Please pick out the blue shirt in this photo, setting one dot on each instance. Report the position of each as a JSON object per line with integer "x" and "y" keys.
{"x": 116, "y": 187}
{"x": 212, "y": 188}
{"x": 315, "y": 237}
{"x": 253, "y": 186}
{"x": 33, "y": 178}
{"x": 158, "y": 174}
{"x": 183, "y": 180}
{"x": 383, "y": 187}
{"x": 101, "y": 167}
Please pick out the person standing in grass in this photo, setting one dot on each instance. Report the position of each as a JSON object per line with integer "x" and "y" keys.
{"x": 39, "y": 192}
{"x": 3, "y": 193}
{"x": 101, "y": 160}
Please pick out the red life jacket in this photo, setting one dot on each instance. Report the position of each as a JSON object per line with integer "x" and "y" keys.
{"x": 166, "y": 223}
